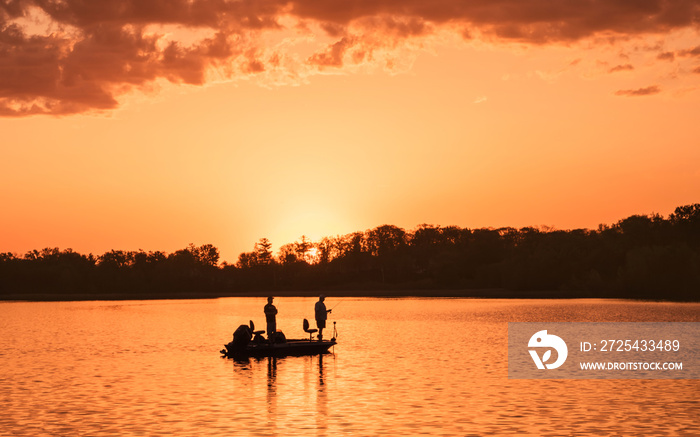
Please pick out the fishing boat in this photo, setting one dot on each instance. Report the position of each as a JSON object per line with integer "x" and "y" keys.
{"x": 247, "y": 342}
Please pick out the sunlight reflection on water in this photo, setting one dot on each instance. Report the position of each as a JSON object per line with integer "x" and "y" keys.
{"x": 402, "y": 367}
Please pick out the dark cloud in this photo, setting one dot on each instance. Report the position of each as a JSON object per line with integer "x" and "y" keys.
{"x": 686, "y": 53}
{"x": 690, "y": 52}
{"x": 531, "y": 20}
{"x": 626, "y": 67}
{"x": 333, "y": 57}
{"x": 96, "y": 50}
{"x": 654, "y": 89}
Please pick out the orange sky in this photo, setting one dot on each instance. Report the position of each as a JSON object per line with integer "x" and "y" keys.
{"x": 127, "y": 124}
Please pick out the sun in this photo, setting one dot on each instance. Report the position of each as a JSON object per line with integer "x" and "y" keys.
{"x": 305, "y": 217}
{"x": 311, "y": 256}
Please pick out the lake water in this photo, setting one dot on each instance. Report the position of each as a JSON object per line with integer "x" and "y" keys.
{"x": 402, "y": 367}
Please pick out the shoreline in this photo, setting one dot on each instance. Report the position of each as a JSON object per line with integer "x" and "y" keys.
{"x": 496, "y": 293}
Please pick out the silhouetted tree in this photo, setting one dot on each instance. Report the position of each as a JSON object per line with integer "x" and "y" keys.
{"x": 287, "y": 254}
{"x": 247, "y": 260}
{"x": 263, "y": 251}
{"x": 638, "y": 256}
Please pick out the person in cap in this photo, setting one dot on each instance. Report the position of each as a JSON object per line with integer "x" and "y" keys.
{"x": 321, "y": 315}
{"x": 270, "y": 317}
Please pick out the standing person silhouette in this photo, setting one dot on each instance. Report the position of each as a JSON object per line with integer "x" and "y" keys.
{"x": 270, "y": 317}
{"x": 321, "y": 315}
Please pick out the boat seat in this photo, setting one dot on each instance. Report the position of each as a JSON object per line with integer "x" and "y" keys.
{"x": 310, "y": 331}
{"x": 252, "y": 328}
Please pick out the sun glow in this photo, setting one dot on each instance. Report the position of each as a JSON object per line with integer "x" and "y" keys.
{"x": 312, "y": 222}
{"x": 312, "y": 256}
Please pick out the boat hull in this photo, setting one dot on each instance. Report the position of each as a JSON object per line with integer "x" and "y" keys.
{"x": 289, "y": 348}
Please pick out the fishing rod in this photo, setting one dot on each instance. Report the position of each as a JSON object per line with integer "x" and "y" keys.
{"x": 341, "y": 301}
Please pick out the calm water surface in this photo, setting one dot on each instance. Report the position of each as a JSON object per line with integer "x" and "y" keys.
{"x": 402, "y": 367}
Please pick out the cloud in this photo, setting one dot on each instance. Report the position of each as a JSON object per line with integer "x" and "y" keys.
{"x": 647, "y": 91}
{"x": 525, "y": 20}
{"x": 673, "y": 55}
{"x": 694, "y": 52}
{"x": 626, "y": 67}
{"x": 480, "y": 99}
{"x": 83, "y": 56}
{"x": 333, "y": 56}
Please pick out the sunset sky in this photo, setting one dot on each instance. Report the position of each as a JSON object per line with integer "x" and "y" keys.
{"x": 152, "y": 124}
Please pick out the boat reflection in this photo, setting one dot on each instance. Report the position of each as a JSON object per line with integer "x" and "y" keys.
{"x": 254, "y": 365}
{"x": 300, "y": 384}
{"x": 321, "y": 401}
{"x": 271, "y": 395}
{"x": 271, "y": 371}
{"x": 320, "y": 370}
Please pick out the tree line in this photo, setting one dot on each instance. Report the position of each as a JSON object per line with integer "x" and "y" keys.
{"x": 641, "y": 256}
